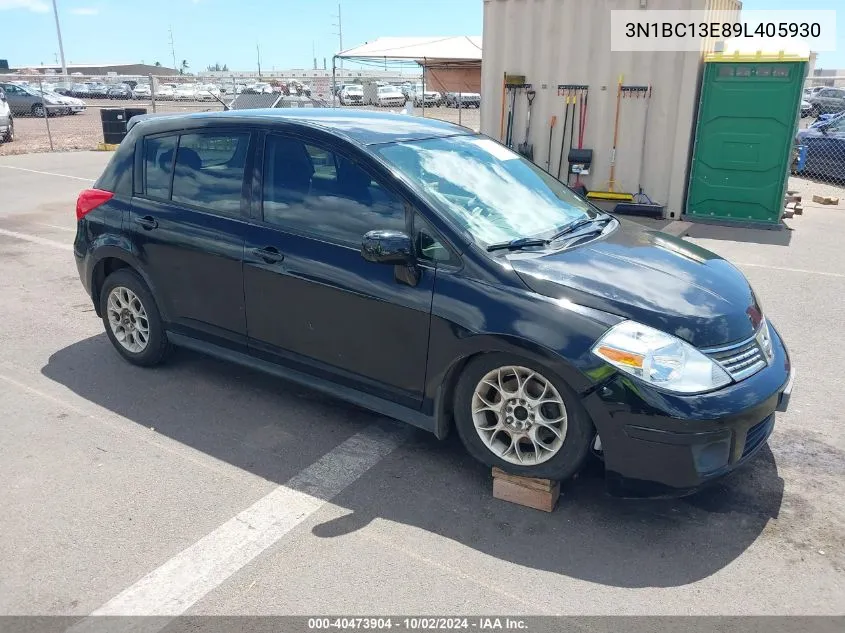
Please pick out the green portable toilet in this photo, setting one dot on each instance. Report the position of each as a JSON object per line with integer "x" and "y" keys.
{"x": 747, "y": 119}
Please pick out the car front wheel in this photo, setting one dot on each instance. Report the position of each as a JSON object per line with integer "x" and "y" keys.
{"x": 9, "y": 136}
{"x": 519, "y": 416}
{"x": 132, "y": 320}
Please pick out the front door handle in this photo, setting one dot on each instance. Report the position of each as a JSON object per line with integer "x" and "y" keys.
{"x": 148, "y": 222}
{"x": 269, "y": 254}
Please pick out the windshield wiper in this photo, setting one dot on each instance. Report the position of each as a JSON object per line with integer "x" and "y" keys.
{"x": 518, "y": 243}
{"x": 577, "y": 224}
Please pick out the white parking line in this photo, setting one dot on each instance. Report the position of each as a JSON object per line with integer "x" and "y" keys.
{"x": 49, "y": 173}
{"x": 183, "y": 580}
{"x": 37, "y": 240}
{"x": 56, "y": 226}
{"x": 826, "y": 273}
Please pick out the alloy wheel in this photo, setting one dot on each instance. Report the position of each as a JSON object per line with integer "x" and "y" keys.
{"x": 128, "y": 320}
{"x": 519, "y": 415}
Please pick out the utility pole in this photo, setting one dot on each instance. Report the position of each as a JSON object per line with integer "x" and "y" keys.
{"x": 339, "y": 33}
{"x": 314, "y": 54}
{"x": 258, "y": 53}
{"x": 172, "y": 48}
{"x": 59, "y": 34}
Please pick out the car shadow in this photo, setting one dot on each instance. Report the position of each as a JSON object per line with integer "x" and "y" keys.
{"x": 779, "y": 236}
{"x": 258, "y": 424}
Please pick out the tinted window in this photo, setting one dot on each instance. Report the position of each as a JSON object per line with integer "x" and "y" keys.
{"x": 428, "y": 246}
{"x": 309, "y": 189}
{"x": 158, "y": 162}
{"x": 209, "y": 171}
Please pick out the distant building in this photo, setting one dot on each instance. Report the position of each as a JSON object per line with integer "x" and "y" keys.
{"x": 103, "y": 69}
{"x": 828, "y": 77}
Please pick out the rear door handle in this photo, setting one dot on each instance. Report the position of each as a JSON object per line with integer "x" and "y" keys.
{"x": 269, "y": 254}
{"x": 148, "y": 222}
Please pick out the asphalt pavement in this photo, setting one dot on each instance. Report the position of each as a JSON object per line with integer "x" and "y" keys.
{"x": 204, "y": 488}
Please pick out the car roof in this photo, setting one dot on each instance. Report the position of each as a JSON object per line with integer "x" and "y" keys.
{"x": 362, "y": 127}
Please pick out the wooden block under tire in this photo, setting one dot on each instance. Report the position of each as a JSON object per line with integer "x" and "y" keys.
{"x": 540, "y": 494}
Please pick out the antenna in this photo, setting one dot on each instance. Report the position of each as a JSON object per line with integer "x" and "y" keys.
{"x": 339, "y": 32}
{"x": 172, "y": 48}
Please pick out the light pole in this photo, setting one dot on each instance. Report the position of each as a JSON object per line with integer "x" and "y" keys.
{"x": 59, "y": 33}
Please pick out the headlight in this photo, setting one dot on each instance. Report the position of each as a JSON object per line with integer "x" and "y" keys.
{"x": 659, "y": 359}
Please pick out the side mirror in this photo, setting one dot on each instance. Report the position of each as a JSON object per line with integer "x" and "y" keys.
{"x": 387, "y": 247}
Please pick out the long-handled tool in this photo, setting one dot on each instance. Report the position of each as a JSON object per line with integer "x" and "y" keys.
{"x": 611, "y": 193}
{"x": 509, "y": 133}
{"x": 641, "y": 203}
{"x": 551, "y": 133}
{"x": 504, "y": 99}
{"x": 580, "y": 159}
{"x": 571, "y": 134}
{"x": 563, "y": 136}
{"x": 525, "y": 148}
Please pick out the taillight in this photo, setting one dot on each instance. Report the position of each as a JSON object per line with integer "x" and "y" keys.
{"x": 90, "y": 199}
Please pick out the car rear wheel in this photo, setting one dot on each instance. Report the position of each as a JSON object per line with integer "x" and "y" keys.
{"x": 132, "y": 320}
{"x": 519, "y": 416}
{"x": 9, "y": 136}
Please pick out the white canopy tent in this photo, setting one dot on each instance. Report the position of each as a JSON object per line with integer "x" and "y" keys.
{"x": 459, "y": 53}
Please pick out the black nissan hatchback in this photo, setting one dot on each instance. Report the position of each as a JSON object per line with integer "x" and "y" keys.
{"x": 432, "y": 275}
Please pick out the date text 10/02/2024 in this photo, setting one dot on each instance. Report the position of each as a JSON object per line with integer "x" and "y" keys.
{"x": 419, "y": 623}
{"x": 721, "y": 29}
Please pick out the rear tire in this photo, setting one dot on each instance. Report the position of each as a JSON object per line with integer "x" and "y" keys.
{"x": 132, "y": 319}
{"x": 9, "y": 135}
{"x": 531, "y": 424}
{"x": 38, "y": 110}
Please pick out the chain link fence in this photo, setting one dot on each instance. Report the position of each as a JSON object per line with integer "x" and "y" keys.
{"x": 61, "y": 113}
{"x": 818, "y": 161}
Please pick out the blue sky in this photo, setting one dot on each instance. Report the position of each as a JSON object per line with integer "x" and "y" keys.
{"x": 226, "y": 32}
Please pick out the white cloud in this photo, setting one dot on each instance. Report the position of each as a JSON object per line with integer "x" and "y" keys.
{"x": 83, "y": 10}
{"x": 37, "y": 6}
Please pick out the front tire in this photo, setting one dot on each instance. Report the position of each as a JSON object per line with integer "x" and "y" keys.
{"x": 132, "y": 319}
{"x": 9, "y": 136}
{"x": 519, "y": 416}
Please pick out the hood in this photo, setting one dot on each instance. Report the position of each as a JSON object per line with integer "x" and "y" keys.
{"x": 653, "y": 278}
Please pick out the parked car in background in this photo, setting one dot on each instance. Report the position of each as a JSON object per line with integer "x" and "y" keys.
{"x": 387, "y": 97}
{"x": 72, "y": 104}
{"x": 119, "y": 91}
{"x": 142, "y": 91}
{"x": 465, "y": 99}
{"x": 97, "y": 90}
{"x": 436, "y": 277}
{"x": 827, "y": 100}
{"x": 7, "y": 123}
{"x": 432, "y": 97}
{"x": 79, "y": 91}
{"x": 207, "y": 92}
{"x": 352, "y": 95}
{"x": 824, "y": 149}
{"x": 165, "y": 92}
{"x": 185, "y": 92}
{"x": 806, "y": 108}
{"x": 24, "y": 100}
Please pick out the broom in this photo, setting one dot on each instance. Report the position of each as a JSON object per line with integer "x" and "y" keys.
{"x": 611, "y": 193}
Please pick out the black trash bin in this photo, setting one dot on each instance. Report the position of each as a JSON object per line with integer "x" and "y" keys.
{"x": 114, "y": 125}
{"x": 114, "y": 122}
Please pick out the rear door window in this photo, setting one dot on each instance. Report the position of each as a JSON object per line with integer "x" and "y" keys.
{"x": 158, "y": 165}
{"x": 209, "y": 170}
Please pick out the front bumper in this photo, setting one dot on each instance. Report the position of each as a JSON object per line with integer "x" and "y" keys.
{"x": 659, "y": 444}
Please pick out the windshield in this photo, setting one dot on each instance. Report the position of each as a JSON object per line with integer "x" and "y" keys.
{"x": 387, "y": 89}
{"x": 488, "y": 190}
{"x": 354, "y": 89}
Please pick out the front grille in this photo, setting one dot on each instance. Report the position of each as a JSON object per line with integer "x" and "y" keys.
{"x": 757, "y": 434}
{"x": 741, "y": 360}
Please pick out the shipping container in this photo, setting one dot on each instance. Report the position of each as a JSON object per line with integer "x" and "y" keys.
{"x": 554, "y": 42}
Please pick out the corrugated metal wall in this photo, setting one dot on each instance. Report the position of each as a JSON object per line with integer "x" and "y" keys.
{"x": 555, "y": 42}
